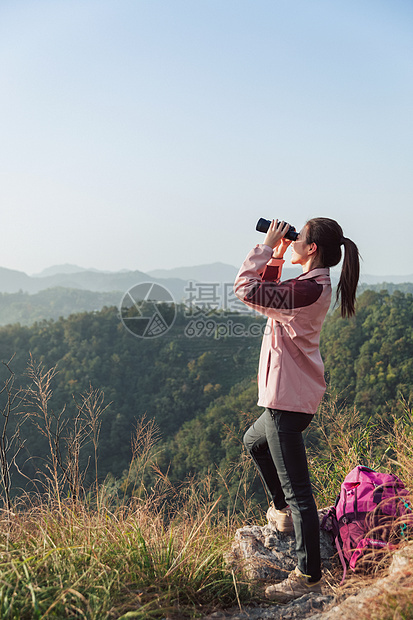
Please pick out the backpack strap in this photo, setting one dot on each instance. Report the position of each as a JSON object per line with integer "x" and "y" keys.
{"x": 342, "y": 560}
{"x": 326, "y": 517}
{"x": 378, "y": 494}
{"x": 329, "y": 524}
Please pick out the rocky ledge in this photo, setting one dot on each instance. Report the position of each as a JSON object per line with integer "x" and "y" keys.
{"x": 266, "y": 556}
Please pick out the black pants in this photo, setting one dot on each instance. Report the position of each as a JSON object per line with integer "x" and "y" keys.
{"x": 276, "y": 444}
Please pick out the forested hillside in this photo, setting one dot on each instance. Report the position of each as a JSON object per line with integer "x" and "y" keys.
{"x": 172, "y": 378}
{"x": 369, "y": 359}
{"x": 202, "y": 390}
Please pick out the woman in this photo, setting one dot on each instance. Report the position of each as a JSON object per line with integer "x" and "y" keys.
{"x": 291, "y": 375}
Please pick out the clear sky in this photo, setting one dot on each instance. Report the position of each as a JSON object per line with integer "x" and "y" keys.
{"x": 145, "y": 134}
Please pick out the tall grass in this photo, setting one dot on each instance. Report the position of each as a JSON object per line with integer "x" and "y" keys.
{"x": 118, "y": 550}
{"x": 66, "y": 560}
{"x": 345, "y": 441}
{"x": 129, "y": 550}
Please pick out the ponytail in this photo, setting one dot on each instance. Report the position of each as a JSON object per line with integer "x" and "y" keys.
{"x": 328, "y": 236}
{"x": 350, "y": 271}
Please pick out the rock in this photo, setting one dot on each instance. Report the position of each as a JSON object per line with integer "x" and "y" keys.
{"x": 265, "y": 554}
{"x": 305, "y": 606}
{"x": 262, "y": 553}
{"x": 299, "y": 609}
{"x": 402, "y": 559}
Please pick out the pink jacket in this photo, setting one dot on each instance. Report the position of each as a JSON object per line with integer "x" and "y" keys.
{"x": 291, "y": 371}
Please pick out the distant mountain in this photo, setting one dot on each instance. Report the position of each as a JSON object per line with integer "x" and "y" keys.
{"x": 96, "y": 281}
{"x": 12, "y": 281}
{"x": 74, "y": 277}
{"x": 65, "y": 289}
{"x": 222, "y": 272}
{"x": 60, "y": 269}
{"x": 176, "y": 280}
{"x": 214, "y": 272}
{"x": 68, "y": 268}
{"x": 369, "y": 279}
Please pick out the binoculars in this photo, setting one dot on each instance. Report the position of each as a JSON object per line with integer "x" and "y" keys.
{"x": 263, "y": 225}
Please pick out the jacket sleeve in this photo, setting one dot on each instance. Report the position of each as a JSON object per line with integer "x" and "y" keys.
{"x": 258, "y": 286}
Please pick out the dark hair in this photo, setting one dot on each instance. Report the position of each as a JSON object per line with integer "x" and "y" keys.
{"x": 328, "y": 236}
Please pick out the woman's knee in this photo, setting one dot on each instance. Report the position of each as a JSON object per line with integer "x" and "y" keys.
{"x": 247, "y": 441}
{"x": 255, "y": 438}
{"x": 254, "y": 443}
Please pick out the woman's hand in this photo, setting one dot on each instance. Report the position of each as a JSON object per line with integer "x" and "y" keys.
{"x": 275, "y": 238}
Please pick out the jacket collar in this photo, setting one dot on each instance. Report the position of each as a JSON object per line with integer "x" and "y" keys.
{"x": 321, "y": 274}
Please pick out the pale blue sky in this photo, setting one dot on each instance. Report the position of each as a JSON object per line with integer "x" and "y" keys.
{"x": 147, "y": 134}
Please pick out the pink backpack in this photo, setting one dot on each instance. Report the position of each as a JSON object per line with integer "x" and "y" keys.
{"x": 367, "y": 514}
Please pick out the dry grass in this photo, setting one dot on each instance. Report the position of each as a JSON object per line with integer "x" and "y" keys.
{"x": 64, "y": 559}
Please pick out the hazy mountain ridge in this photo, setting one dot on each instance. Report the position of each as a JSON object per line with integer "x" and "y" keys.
{"x": 12, "y": 281}
{"x": 76, "y": 277}
{"x": 28, "y": 299}
{"x": 66, "y": 268}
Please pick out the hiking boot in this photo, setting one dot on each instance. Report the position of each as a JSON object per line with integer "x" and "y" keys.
{"x": 281, "y": 520}
{"x": 294, "y": 586}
